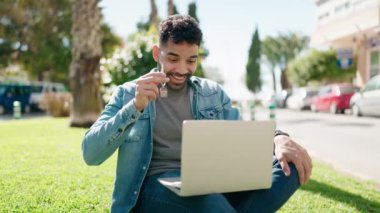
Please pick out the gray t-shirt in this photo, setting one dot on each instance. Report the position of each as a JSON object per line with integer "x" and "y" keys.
{"x": 167, "y": 133}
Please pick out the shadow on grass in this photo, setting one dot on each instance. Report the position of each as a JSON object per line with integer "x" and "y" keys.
{"x": 357, "y": 201}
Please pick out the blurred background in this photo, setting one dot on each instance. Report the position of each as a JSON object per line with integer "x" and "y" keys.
{"x": 261, "y": 52}
{"x": 313, "y": 66}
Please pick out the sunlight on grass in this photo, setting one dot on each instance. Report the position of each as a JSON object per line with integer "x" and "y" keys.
{"x": 41, "y": 170}
{"x": 331, "y": 191}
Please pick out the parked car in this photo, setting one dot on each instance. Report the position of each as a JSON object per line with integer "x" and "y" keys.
{"x": 334, "y": 98}
{"x": 301, "y": 98}
{"x": 367, "y": 101}
{"x": 13, "y": 92}
{"x": 40, "y": 89}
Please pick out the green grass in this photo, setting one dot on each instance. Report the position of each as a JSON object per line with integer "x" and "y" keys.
{"x": 41, "y": 170}
{"x": 331, "y": 191}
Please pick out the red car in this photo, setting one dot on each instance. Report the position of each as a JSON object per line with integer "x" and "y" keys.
{"x": 334, "y": 98}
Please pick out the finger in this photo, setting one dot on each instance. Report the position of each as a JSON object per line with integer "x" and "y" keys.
{"x": 284, "y": 166}
{"x": 308, "y": 166}
{"x": 151, "y": 95}
{"x": 154, "y": 74}
{"x": 307, "y": 171}
{"x": 147, "y": 91}
{"x": 310, "y": 161}
{"x": 152, "y": 79}
{"x": 300, "y": 169}
{"x": 150, "y": 87}
{"x": 147, "y": 95}
{"x": 141, "y": 89}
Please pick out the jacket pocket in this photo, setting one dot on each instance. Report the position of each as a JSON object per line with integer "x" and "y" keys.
{"x": 136, "y": 134}
{"x": 211, "y": 113}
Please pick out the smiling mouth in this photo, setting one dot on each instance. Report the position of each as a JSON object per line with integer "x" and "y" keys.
{"x": 178, "y": 76}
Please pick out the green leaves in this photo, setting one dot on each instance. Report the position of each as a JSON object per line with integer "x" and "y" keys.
{"x": 280, "y": 50}
{"x": 136, "y": 59}
{"x": 37, "y": 35}
{"x": 37, "y": 31}
{"x": 253, "y": 81}
{"x": 318, "y": 67}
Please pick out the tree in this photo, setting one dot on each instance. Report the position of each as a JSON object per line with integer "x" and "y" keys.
{"x": 192, "y": 10}
{"x": 270, "y": 47}
{"x": 134, "y": 60}
{"x": 36, "y": 35}
{"x": 280, "y": 50}
{"x": 253, "y": 81}
{"x": 172, "y": 9}
{"x": 110, "y": 41}
{"x": 153, "y": 17}
{"x": 318, "y": 67}
{"x": 203, "y": 51}
{"x": 292, "y": 44}
{"x": 84, "y": 68}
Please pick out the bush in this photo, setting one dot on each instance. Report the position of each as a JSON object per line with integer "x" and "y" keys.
{"x": 57, "y": 104}
{"x": 318, "y": 66}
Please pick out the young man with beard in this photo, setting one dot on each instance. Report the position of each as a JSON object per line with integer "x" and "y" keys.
{"x": 143, "y": 122}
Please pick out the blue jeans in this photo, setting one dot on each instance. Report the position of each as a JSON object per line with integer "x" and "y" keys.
{"x": 156, "y": 198}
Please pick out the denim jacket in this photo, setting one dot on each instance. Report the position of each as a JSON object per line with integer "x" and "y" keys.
{"x": 122, "y": 127}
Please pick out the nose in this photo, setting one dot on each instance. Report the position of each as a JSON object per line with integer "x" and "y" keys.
{"x": 182, "y": 68}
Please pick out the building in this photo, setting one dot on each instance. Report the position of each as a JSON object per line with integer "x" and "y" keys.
{"x": 352, "y": 27}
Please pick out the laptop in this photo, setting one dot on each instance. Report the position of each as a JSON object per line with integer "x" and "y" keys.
{"x": 224, "y": 156}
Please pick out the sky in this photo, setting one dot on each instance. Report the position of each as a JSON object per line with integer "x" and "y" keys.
{"x": 227, "y": 26}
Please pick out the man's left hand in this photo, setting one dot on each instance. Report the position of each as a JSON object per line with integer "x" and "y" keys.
{"x": 288, "y": 151}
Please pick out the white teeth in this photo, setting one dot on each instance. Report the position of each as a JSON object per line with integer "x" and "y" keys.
{"x": 179, "y": 78}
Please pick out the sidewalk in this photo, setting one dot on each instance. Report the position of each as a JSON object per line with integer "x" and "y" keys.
{"x": 8, "y": 117}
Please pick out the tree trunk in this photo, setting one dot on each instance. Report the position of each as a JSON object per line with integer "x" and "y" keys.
{"x": 170, "y": 7}
{"x": 153, "y": 17}
{"x": 285, "y": 84}
{"x": 84, "y": 68}
{"x": 274, "y": 79}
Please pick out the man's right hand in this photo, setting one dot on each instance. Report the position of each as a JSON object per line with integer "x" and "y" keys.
{"x": 147, "y": 89}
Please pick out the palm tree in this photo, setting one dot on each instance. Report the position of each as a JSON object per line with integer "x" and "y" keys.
{"x": 270, "y": 49}
{"x": 84, "y": 68}
{"x": 153, "y": 17}
{"x": 292, "y": 44}
{"x": 280, "y": 50}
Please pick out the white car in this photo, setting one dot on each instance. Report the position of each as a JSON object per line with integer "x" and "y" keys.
{"x": 367, "y": 101}
{"x": 301, "y": 98}
{"x": 39, "y": 89}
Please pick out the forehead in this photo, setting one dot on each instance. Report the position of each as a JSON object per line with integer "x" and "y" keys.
{"x": 183, "y": 49}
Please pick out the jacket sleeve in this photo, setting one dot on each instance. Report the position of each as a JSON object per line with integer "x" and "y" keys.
{"x": 230, "y": 112}
{"x": 104, "y": 136}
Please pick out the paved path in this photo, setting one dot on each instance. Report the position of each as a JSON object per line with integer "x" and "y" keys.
{"x": 8, "y": 117}
{"x": 348, "y": 143}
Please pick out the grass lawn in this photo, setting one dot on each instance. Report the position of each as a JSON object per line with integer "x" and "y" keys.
{"x": 41, "y": 170}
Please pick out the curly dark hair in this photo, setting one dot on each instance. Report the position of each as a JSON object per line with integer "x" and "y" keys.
{"x": 180, "y": 28}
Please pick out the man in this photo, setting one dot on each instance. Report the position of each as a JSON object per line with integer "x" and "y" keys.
{"x": 143, "y": 121}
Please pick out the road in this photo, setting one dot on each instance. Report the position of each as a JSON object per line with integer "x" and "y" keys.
{"x": 348, "y": 143}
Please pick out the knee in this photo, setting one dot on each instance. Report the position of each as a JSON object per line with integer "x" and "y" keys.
{"x": 283, "y": 187}
{"x": 287, "y": 183}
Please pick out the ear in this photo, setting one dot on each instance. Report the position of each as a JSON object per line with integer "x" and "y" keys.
{"x": 155, "y": 52}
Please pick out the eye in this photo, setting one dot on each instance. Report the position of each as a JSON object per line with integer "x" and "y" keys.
{"x": 172, "y": 59}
